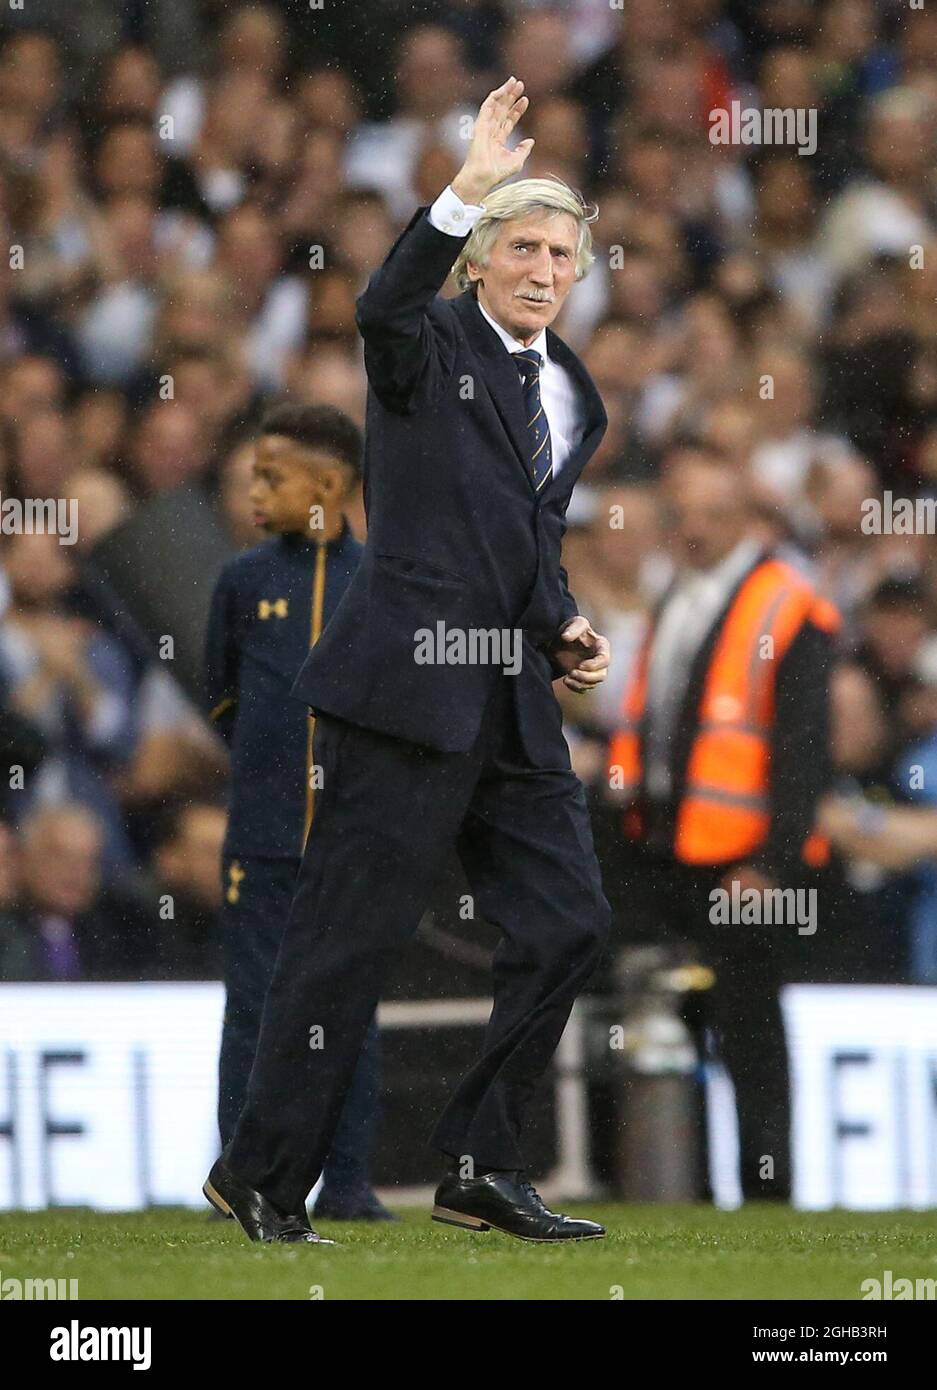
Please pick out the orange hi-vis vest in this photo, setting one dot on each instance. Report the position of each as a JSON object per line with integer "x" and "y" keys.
{"x": 724, "y": 813}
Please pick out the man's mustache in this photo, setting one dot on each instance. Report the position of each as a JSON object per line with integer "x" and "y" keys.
{"x": 541, "y": 296}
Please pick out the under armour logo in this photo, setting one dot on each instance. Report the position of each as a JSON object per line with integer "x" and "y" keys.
{"x": 278, "y": 609}
{"x": 235, "y": 875}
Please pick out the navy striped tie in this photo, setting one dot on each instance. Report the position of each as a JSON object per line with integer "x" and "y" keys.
{"x": 538, "y": 426}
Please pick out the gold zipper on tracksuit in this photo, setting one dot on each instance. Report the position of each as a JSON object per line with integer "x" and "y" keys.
{"x": 315, "y": 629}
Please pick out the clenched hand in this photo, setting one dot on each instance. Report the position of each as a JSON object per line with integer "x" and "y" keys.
{"x": 582, "y": 655}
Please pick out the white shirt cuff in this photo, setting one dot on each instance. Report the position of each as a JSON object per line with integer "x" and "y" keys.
{"x": 450, "y": 214}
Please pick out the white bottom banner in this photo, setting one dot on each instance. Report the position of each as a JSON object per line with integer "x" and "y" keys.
{"x": 108, "y": 1095}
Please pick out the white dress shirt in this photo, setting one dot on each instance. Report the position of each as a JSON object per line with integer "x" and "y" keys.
{"x": 685, "y": 620}
{"x": 558, "y": 392}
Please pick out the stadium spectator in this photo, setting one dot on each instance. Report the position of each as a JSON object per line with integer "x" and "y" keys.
{"x": 431, "y": 92}
{"x": 71, "y": 681}
{"x": 168, "y": 449}
{"x": 14, "y": 943}
{"x": 234, "y": 494}
{"x": 30, "y": 384}
{"x": 893, "y": 627}
{"x": 101, "y": 502}
{"x": 40, "y": 456}
{"x": 65, "y": 925}
{"x": 186, "y": 867}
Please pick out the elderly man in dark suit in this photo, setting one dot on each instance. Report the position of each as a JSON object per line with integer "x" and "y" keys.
{"x": 437, "y": 722}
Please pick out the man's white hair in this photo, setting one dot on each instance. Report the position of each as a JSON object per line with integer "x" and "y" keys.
{"x": 513, "y": 201}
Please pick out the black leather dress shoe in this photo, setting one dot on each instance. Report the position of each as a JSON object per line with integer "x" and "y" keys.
{"x": 506, "y": 1202}
{"x": 259, "y": 1219}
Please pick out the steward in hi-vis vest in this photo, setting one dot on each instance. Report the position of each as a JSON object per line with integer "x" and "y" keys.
{"x": 718, "y": 765}
{"x": 743, "y": 780}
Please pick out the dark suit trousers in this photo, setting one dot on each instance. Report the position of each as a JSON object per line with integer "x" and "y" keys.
{"x": 387, "y": 813}
{"x": 668, "y": 900}
{"x": 252, "y": 926}
{"x": 743, "y": 1010}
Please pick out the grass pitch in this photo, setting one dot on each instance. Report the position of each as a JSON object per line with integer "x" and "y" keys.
{"x": 651, "y": 1252}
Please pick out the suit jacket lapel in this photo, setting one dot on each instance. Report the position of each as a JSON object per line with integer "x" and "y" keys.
{"x": 504, "y": 385}
{"x": 506, "y": 392}
{"x": 595, "y": 419}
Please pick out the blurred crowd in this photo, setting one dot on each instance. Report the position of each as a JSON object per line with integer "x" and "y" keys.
{"x": 195, "y": 193}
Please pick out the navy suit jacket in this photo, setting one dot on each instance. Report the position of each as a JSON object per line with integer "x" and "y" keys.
{"x": 456, "y": 531}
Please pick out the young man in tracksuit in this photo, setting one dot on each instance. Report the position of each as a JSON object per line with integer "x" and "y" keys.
{"x": 269, "y": 607}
